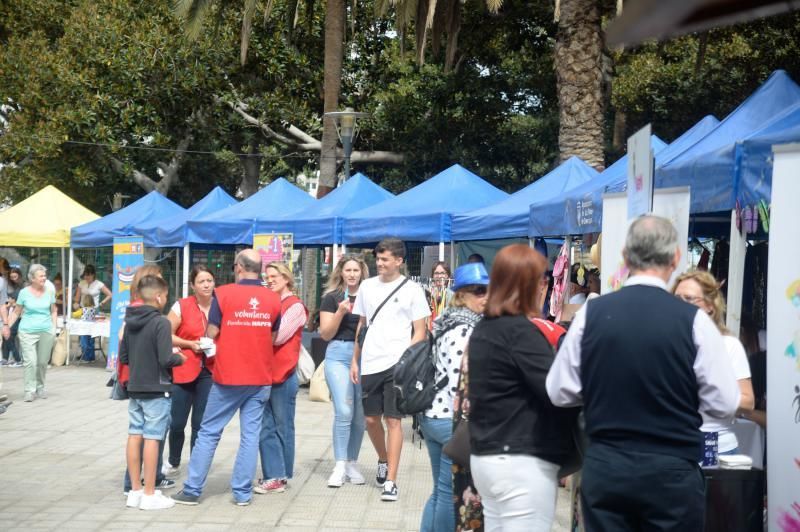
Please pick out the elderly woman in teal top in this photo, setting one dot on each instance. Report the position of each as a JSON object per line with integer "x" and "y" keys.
{"x": 36, "y": 310}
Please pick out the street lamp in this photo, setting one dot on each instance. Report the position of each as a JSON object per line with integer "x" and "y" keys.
{"x": 347, "y": 128}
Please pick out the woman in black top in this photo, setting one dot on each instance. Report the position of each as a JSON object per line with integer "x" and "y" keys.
{"x": 518, "y": 438}
{"x": 15, "y": 283}
{"x": 338, "y": 326}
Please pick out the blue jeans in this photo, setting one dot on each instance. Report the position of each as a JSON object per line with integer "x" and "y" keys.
{"x": 223, "y": 402}
{"x": 276, "y": 444}
{"x": 186, "y": 397}
{"x": 87, "y": 347}
{"x": 439, "y": 513}
{"x": 348, "y": 409}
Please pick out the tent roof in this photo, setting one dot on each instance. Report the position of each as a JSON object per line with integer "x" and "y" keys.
{"x": 171, "y": 232}
{"x": 234, "y": 225}
{"x": 323, "y": 224}
{"x": 43, "y": 220}
{"x": 509, "y": 218}
{"x": 100, "y": 233}
{"x": 708, "y": 166}
{"x": 423, "y": 213}
{"x": 754, "y": 181}
{"x": 559, "y": 216}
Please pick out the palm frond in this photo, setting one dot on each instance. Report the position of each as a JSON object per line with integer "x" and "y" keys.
{"x": 494, "y": 5}
{"x": 247, "y": 28}
{"x": 193, "y": 12}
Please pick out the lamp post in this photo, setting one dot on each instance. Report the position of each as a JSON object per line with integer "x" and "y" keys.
{"x": 347, "y": 128}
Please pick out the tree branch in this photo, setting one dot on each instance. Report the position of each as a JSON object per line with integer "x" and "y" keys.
{"x": 298, "y": 139}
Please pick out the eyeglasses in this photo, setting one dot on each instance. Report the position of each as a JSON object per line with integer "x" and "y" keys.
{"x": 693, "y": 300}
{"x": 478, "y": 291}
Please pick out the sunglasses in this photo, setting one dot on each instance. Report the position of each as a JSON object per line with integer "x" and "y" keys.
{"x": 478, "y": 290}
{"x": 693, "y": 300}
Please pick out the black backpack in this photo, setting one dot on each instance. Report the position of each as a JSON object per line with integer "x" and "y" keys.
{"x": 414, "y": 376}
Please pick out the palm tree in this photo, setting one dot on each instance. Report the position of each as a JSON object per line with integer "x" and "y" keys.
{"x": 579, "y": 75}
{"x": 578, "y": 62}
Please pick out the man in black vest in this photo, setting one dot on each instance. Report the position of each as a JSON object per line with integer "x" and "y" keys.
{"x": 644, "y": 364}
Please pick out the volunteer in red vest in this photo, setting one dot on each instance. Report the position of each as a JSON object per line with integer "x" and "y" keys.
{"x": 241, "y": 319}
{"x": 191, "y": 382}
{"x": 277, "y": 425}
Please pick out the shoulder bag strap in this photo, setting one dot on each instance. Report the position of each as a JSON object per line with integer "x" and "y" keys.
{"x": 385, "y": 300}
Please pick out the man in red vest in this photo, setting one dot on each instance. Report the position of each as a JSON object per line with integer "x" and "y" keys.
{"x": 242, "y": 318}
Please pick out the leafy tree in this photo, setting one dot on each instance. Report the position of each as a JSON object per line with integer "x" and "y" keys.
{"x": 676, "y": 83}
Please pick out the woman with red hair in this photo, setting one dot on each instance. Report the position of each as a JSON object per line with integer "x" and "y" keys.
{"x": 518, "y": 438}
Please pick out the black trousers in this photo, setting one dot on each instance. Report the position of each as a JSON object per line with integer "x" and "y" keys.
{"x": 630, "y": 490}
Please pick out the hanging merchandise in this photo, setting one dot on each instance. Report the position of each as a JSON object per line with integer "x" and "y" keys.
{"x": 560, "y": 280}
{"x": 763, "y": 213}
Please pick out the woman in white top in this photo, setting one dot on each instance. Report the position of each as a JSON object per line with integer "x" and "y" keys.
{"x": 701, "y": 289}
{"x": 88, "y": 295}
{"x": 452, "y": 330}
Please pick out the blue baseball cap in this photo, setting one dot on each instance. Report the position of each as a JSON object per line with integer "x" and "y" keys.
{"x": 470, "y": 274}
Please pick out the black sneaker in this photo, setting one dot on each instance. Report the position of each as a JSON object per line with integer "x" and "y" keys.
{"x": 165, "y": 484}
{"x": 185, "y": 498}
{"x": 383, "y": 470}
{"x": 389, "y": 491}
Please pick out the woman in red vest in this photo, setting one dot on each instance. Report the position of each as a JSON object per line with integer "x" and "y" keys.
{"x": 277, "y": 426}
{"x": 191, "y": 381}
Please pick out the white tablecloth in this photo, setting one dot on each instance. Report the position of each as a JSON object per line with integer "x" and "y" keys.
{"x": 751, "y": 439}
{"x": 90, "y": 328}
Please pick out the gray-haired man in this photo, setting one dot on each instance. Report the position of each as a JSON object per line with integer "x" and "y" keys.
{"x": 644, "y": 364}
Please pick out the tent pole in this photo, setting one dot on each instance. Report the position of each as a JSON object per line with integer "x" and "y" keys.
{"x": 334, "y": 257}
{"x": 738, "y": 250}
{"x": 441, "y": 251}
{"x": 68, "y": 301}
{"x": 452, "y": 256}
{"x": 186, "y": 264}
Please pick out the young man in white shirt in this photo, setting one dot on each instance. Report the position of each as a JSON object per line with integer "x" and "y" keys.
{"x": 398, "y": 324}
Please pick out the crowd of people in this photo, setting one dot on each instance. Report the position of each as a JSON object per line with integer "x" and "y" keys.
{"x": 521, "y": 394}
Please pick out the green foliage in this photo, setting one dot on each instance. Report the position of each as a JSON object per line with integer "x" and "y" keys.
{"x": 667, "y": 85}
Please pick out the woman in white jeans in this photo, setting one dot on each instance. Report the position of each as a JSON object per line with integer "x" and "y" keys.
{"x": 518, "y": 438}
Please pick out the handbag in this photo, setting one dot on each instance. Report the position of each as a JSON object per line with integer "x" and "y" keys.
{"x": 318, "y": 390}
{"x": 574, "y": 461}
{"x": 119, "y": 392}
{"x": 362, "y": 332}
{"x": 458, "y": 448}
{"x": 305, "y": 366}
{"x": 59, "y": 356}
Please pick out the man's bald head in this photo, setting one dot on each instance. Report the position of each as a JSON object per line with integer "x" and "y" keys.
{"x": 249, "y": 260}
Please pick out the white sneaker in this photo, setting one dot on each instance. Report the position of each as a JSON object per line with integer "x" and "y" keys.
{"x": 338, "y": 477}
{"x": 353, "y": 474}
{"x": 170, "y": 471}
{"x": 134, "y": 498}
{"x": 156, "y": 501}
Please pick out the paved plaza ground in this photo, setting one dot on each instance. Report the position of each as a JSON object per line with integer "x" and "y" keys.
{"x": 62, "y": 460}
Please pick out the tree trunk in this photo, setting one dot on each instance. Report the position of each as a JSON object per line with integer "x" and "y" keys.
{"x": 579, "y": 74}
{"x": 251, "y": 166}
{"x": 334, "y": 44}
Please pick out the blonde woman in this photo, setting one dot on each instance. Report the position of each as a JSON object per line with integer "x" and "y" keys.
{"x": 337, "y": 325}
{"x": 276, "y": 444}
{"x": 702, "y": 290}
{"x": 36, "y": 312}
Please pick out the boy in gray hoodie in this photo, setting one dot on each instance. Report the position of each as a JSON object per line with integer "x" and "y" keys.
{"x": 146, "y": 347}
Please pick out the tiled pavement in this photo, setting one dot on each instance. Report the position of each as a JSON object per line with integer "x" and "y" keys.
{"x": 62, "y": 459}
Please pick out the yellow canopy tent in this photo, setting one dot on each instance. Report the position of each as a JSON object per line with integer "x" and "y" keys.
{"x": 44, "y": 220}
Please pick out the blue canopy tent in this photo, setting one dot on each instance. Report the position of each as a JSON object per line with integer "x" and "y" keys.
{"x": 100, "y": 233}
{"x": 580, "y": 210}
{"x": 754, "y": 179}
{"x": 171, "y": 232}
{"x": 237, "y": 223}
{"x": 709, "y": 166}
{"x": 323, "y": 225}
{"x": 423, "y": 213}
{"x": 509, "y": 218}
